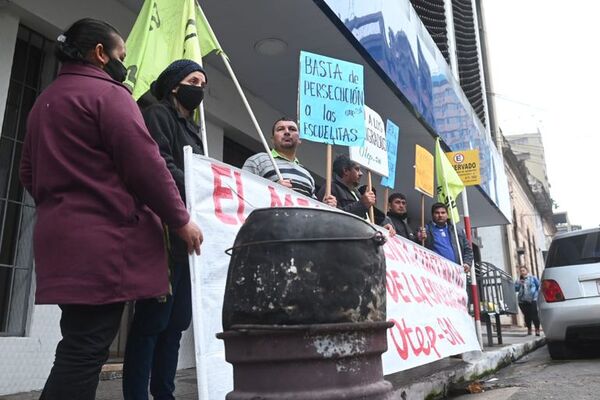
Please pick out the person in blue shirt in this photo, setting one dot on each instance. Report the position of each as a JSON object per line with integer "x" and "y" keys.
{"x": 439, "y": 237}
{"x": 528, "y": 287}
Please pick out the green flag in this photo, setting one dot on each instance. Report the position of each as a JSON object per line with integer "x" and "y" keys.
{"x": 449, "y": 184}
{"x": 165, "y": 31}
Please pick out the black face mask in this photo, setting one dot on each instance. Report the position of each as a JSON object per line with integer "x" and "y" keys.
{"x": 190, "y": 96}
{"x": 116, "y": 70}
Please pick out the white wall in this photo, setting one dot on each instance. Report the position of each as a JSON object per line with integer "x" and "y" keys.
{"x": 26, "y": 361}
{"x": 493, "y": 249}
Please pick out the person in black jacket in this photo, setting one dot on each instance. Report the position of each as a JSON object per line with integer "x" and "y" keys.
{"x": 153, "y": 343}
{"x": 344, "y": 186}
{"x": 344, "y": 189}
{"x": 398, "y": 214}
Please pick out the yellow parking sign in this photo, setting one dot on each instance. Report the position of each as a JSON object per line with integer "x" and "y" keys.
{"x": 467, "y": 166}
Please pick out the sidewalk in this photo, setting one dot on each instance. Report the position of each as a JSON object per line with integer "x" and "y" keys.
{"x": 429, "y": 381}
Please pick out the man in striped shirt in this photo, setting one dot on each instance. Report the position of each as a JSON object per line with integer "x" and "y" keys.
{"x": 286, "y": 140}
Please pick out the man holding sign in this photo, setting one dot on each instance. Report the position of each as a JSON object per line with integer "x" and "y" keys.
{"x": 286, "y": 140}
{"x": 344, "y": 188}
{"x": 439, "y": 237}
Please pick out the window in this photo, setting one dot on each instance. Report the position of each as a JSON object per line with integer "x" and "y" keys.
{"x": 17, "y": 212}
{"x": 574, "y": 250}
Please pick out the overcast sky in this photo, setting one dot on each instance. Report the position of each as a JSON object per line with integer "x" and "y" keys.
{"x": 544, "y": 56}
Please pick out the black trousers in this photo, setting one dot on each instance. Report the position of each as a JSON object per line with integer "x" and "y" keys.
{"x": 87, "y": 331}
{"x": 530, "y": 313}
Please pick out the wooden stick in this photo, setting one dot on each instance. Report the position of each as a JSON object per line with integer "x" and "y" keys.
{"x": 386, "y": 204}
{"x": 370, "y": 188}
{"x": 328, "y": 171}
{"x": 422, "y": 216}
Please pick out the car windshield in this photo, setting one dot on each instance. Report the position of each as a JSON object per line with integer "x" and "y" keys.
{"x": 573, "y": 250}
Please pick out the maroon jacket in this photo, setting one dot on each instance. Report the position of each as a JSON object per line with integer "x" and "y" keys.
{"x": 100, "y": 186}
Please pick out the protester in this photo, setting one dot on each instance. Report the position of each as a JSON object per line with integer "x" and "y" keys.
{"x": 344, "y": 189}
{"x": 380, "y": 218}
{"x": 528, "y": 287}
{"x": 440, "y": 237}
{"x": 286, "y": 139}
{"x": 153, "y": 343}
{"x": 100, "y": 186}
{"x": 398, "y": 214}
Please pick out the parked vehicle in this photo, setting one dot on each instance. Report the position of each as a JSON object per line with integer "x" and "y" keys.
{"x": 569, "y": 304}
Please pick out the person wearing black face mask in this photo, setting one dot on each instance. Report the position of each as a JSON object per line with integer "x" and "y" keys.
{"x": 153, "y": 342}
{"x": 101, "y": 190}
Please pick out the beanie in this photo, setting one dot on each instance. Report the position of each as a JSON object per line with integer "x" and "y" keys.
{"x": 172, "y": 75}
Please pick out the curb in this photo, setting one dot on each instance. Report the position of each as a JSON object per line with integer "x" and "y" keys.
{"x": 111, "y": 371}
{"x": 476, "y": 365}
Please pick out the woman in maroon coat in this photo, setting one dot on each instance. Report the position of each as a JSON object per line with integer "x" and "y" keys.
{"x": 101, "y": 190}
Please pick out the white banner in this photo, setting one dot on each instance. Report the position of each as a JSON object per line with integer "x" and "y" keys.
{"x": 426, "y": 294}
{"x": 373, "y": 153}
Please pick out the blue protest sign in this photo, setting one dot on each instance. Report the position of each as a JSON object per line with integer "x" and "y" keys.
{"x": 391, "y": 132}
{"x": 331, "y": 100}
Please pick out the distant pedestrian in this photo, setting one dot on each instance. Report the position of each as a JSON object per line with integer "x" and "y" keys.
{"x": 528, "y": 287}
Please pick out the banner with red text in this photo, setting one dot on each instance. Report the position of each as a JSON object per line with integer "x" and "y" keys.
{"x": 427, "y": 301}
{"x": 426, "y": 294}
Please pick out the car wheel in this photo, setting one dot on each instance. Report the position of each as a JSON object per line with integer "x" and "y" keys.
{"x": 559, "y": 351}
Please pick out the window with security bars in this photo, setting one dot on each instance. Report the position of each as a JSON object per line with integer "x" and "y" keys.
{"x": 33, "y": 67}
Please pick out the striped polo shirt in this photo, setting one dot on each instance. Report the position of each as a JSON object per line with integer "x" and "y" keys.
{"x": 260, "y": 164}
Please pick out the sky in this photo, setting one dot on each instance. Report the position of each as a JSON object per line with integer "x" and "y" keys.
{"x": 544, "y": 55}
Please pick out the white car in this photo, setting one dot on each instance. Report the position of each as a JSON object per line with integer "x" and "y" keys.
{"x": 569, "y": 302}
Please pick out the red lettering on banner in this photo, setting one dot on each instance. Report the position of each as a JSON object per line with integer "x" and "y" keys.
{"x": 394, "y": 286}
{"x": 425, "y": 337}
{"x": 429, "y": 291}
{"x": 276, "y": 200}
{"x": 221, "y": 193}
{"x": 288, "y": 201}
{"x": 422, "y": 294}
{"x": 240, "y": 193}
{"x": 396, "y": 249}
{"x": 417, "y": 298}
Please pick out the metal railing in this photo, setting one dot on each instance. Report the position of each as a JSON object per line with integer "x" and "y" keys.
{"x": 496, "y": 296}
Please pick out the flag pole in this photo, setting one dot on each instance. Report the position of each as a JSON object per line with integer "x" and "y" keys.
{"x": 203, "y": 129}
{"x": 474, "y": 291}
{"x": 460, "y": 257}
{"x": 252, "y": 117}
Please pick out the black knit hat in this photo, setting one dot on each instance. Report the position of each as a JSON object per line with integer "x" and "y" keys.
{"x": 172, "y": 75}
{"x": 396, "y": 195}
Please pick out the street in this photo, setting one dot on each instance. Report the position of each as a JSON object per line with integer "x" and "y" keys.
{"x": 536, "y": 377}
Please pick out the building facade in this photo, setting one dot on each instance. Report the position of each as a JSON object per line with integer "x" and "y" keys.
{"x": 407, "y": 80}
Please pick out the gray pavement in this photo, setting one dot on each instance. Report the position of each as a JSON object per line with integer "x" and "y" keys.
{"x": 427, "y": 381}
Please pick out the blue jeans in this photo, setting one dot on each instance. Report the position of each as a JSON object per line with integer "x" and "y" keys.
{"x": 153, "y": 343}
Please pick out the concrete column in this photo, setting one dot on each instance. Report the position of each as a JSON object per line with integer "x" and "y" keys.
{"x": 215, "y": 135}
